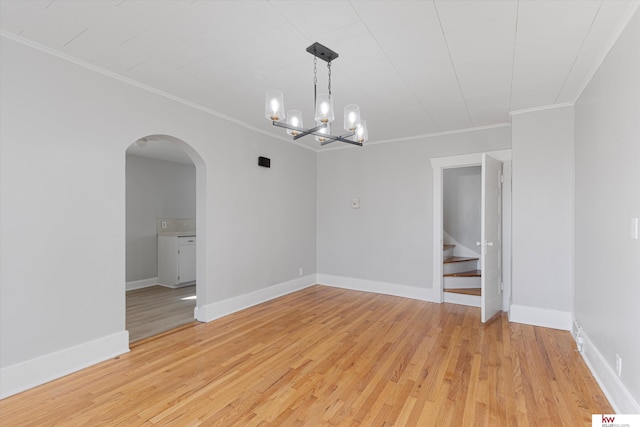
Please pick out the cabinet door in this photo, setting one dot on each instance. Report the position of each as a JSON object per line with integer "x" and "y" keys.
{"x": 187, "y": 263}
{"x": 168, "y": 261}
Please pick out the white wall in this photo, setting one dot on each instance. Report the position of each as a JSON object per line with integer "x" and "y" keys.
{"x": 155, "y": 189}
{"x": 607, "y": 196}
{"x": 542, "y": 209}
{"x": 64, "y": 133}
{"x": 389, "y": 239}
{"x": 461, "y": 199}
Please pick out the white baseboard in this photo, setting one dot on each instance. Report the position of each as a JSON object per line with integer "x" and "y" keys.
{"x": 181, "y": 285}
{"x": 28, "y": 374}
{"x": 423, "y": 294}
{"x": 540, "y": 317}
{"x": 222, "y": 308}
{"x": 618, "y": 395}
{"x": 144, "y": 283}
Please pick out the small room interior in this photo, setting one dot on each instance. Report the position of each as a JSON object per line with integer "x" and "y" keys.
{"x": 306, "y": 280}
{"x": 161, "y": 233}
{"x": 461, "y": 231}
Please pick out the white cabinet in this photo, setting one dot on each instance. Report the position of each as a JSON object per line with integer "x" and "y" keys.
{"x": 176, "y": 260}
{"x": 187, "y": 259}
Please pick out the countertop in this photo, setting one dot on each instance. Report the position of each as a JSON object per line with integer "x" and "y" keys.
{"x": 179, "y": 234}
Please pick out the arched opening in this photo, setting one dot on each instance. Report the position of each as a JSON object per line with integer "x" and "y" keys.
{"x": 164, "y": 200}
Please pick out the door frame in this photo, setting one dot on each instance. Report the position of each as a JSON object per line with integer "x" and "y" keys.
{"x": 201, "y": 222}
{"x": 475, "y": 159}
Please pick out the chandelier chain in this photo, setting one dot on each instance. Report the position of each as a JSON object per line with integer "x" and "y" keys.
{"x": 315, "y": 83}
{"x": 315, "y": 70}
{"x": 329, "y": 72}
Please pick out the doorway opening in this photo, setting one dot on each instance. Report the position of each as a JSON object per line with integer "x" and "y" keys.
{"x": 461, "y": 229}
{"x": 162, "y": 200}
{"x": 471, "y": 266}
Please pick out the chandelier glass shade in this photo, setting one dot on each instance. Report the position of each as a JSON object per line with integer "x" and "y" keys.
{"x": 351, "y": 117}
{"x": 324, "y": 109}
{"x": 294, "y": 119}
{"x": 324, "y": 113}
{"x": 274, "y": 105}
{"x": 361, "y": 132}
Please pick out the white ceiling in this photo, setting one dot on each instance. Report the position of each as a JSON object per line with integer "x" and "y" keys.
{"x": 414, "y": 67}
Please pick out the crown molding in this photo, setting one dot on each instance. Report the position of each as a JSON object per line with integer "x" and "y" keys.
{"x": 631, "y": 10}
{"x": 137, "y": 84}
{"x": 626, "y": 17}
{"x": 541, "y": 108}
{"x": 424, "y": 136}
{"x": 7, "y": 35}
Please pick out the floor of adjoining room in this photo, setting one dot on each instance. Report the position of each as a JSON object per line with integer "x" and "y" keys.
{"x": 157, "y": 309}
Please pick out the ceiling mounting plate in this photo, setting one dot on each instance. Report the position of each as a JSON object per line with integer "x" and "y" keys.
{"x": 322, "y": 52}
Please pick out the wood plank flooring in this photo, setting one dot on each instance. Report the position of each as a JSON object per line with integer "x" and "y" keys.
{"x": 329, "y": 357}
{"x": 157, "y": 309}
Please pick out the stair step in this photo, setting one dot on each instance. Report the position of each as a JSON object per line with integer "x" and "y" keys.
{"x": 465, "y": 291}
{"x": 445, "y": 247}
{"x": 458, "y": 259}
{"x": 454, "y": 282}
{"x": 464, "y": 299}
{"x": 472, "y": 273}
{"x": 453, "y": 265}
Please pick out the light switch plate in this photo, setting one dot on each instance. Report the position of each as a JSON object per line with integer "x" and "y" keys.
{"x": 355, "y": 203}
{"x": 634, "y": 228}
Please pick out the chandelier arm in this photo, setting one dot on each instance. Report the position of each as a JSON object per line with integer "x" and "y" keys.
{"x": 313, "y": 131}
{"x": 359, "y": 144}
{"x": 316, "y": 131}
{"x": 329, "y": 141}
{"x": 303, "y": 131}
{"x": 287, "y": 126}
{"x": 339, "y": 137}
{"x": 331, "y": 138}
{"x": 344, "y": 137}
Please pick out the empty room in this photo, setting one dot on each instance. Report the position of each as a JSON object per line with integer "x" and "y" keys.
{"x": 319, "y": 213}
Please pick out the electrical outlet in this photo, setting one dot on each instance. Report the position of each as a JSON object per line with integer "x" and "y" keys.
{"x": 163, "y": 224}
{"x": 355, "y": 203}
{"x": 300, "y": 271}
{"x": 634, "y": 228}
{"x": 618, "y": 365}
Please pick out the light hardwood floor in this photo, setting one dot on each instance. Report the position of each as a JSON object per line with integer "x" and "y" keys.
{"x": 157, "y": 309}
{"x": 327, "y": 356}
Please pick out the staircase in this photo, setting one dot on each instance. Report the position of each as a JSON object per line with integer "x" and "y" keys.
{"x": 461, "y": 281}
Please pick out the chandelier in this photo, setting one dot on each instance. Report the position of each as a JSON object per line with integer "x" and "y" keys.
{"x": 323, "y": 109}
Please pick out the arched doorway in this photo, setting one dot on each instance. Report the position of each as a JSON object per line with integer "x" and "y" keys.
{"x": 164, "y": 199}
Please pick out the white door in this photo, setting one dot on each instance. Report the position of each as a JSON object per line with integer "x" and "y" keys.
{"x": 491, "y": 238}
